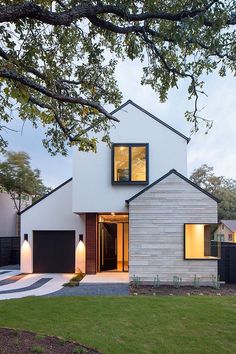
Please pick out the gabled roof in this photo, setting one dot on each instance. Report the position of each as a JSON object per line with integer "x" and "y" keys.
{"x": 179, "y": 175}
{"x": 152, "y": 116}
{"x": 46, "y": 195}
{"x": 230, "y": 224}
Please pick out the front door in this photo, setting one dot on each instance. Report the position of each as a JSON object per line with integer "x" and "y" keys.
{"x": 108, "y": 246}
{"x": 113, "y": 242}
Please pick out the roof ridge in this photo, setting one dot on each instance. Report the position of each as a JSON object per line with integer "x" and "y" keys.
{"x": 165, "y": 176}
{"x": 152, "y": 116}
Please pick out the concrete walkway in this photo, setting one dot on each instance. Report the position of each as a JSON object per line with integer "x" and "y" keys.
{"x": 34, "y": 285}
{"x": 106, "y": 277}
{"x": 14, "y": 285}
{"x": 100, "y": 284}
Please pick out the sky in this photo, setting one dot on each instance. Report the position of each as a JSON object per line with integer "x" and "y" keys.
{"x": 216, "y": 149}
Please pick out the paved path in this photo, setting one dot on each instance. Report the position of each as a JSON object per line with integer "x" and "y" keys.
{"x": 6, "y": 271}
{"x": 106, "y": 278}
{"x": 15, "y": 285}
{"x": 11, "y": 279}
{"x": 109, "y": 289}
{"x": 34, "y": 285}
{"x": 8, "y": 274}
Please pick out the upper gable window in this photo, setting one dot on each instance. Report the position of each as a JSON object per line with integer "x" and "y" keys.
{"x": 130, "y": 164}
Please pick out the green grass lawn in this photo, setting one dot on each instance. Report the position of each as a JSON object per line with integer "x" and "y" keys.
{"x": 131, "y": 325}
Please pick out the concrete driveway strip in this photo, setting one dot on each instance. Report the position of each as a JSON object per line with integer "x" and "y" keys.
{"x": 28, "y": 280}
{"x": 9, "y": 274}
{"x": 53, "y": 285}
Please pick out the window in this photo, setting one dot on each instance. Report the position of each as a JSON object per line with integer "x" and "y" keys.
{"x": 219, "y": 237}
{"x": 200, "y": 242}
{"x": 230, "y": 237}
{"x": 130, "y": 164}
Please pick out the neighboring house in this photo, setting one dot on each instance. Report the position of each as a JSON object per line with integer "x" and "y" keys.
{"x": 226, "y": 231}
{"x": 130, "y": 208}
{"x": 8, "y": 214}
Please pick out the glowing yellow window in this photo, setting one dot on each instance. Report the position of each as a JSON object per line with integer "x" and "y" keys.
{"x": 200, "y": 241}
{"x": 130, "y": 164}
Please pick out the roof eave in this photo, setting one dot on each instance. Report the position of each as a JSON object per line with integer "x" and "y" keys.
{"x": 152, "y": 116}
{"x": 165, "y": 176}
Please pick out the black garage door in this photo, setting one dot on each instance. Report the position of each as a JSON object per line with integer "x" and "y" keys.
{"x": 54, "y": 252}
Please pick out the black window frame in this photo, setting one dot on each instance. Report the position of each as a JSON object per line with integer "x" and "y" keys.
{"x": 129, "y": 182}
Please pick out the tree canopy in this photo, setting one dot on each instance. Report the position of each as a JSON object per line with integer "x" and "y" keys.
{"x": 221, "y": 187}
{"x": 19, "y": 179}
{"x": 58, "y": 59}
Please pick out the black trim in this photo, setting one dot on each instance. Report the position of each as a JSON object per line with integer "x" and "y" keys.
{"x": 152, "y": 116}
{"x": 130, "y": 182}
{"x": 45, "y": 196}
{"x": 165, "y": 176}
{"x": 198, "y": 259}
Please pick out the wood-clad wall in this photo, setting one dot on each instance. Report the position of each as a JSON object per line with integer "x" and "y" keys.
{"x": 91, "y": 243}
{"x": 156, "y": 231}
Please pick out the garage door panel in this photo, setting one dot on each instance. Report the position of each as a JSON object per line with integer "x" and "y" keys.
{"x": 54, "y": 251}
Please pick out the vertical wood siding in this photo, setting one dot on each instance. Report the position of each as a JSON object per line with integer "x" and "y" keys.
{"x": 156, "y": 231}
{"x": 91, "y": 242}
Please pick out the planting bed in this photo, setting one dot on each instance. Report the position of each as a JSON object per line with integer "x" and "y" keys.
{"x": 24, "y": 342}
{"x": 225, "y": 289}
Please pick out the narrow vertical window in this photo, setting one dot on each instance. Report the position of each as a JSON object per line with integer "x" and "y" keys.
{"x": 139, "y": 162}
{"x": 121, "y": 164}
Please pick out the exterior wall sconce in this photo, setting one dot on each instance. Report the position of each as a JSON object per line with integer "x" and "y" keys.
{"x": 81, "y": 237}
{"x": 26, "y": 237}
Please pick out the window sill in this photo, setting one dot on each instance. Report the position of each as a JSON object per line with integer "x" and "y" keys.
{"x": 130, "y": 183}
{"x": 203, "y": 259}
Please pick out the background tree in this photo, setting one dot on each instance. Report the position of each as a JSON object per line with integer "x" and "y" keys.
{"x": 58, "y": 58}
{"x": 221, "y": 187}
{"x": 20, "y": 180}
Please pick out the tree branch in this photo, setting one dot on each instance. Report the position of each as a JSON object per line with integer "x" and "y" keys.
{"x": 12, "y": 13}
{"x": 10, "y": 74}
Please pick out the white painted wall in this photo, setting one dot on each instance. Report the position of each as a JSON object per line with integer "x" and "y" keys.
{"x": 52, "y": 213}
{"x": 92, "y": 188}
{"x": 7, "y": 216}
{"x": 8, "y": 222}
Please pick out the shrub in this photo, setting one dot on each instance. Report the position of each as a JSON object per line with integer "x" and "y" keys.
{"x": 215, "y": 281}
{"x": 75, "y": 280}
{"x": 156, "y": 282}
{"x": 177, "y": 281}
{"x": 136, "y": 281}
{"x": 196, "y": 282}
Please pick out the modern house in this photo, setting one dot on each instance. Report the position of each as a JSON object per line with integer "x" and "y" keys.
{"x": 128, "y": 208}
{"x": 226, "y": 231}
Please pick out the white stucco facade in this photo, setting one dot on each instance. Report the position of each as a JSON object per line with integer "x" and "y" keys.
{"x": 92, "y": 187}
{"x": 52, "y": 213}
{"x": 8, "y": 216}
